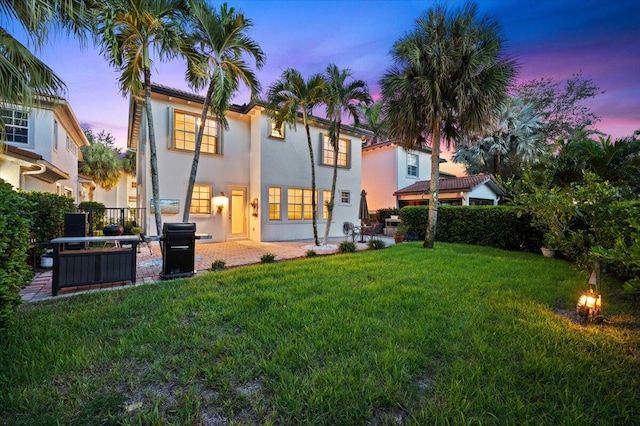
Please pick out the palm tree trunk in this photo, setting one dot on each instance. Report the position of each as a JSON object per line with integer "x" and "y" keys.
{"x": 336, "y": 147}
{"x": 196, "y": 155}
{"x": 430, "y": 236}
{"x": 313, "y": 180}
{"x": 153, "y": 152}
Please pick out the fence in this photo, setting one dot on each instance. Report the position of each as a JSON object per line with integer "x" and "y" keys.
{"x": 129, "y": 218}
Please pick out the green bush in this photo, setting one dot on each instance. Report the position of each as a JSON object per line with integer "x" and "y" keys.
{"x": 268, "y": 258}
{"x": 494, "y": 226}
{"x": 218, "y": 265}
{"x": 14, "y": 243}
{"x": 98, "y": 210}
{"x": 47, "y": 219}
{"x": 311, "y": 253}
{"x": 347, "y": 247}
{"x": 376, "y": 244}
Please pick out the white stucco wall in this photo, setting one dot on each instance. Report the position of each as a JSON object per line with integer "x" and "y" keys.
{"x": 379, "y": 176}
{"x": 483, "y": 191}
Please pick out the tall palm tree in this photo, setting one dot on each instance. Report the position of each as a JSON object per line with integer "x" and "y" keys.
{"x": 513, "y": 141}
{"x": 24, "y": 77}
{"x": 128, "y": 30}
{"x": 448, "y": 80}
{"x": 341, "y": 98}
{"x": 374, "y": 120}
{"x": 292, "y": 95}
{"x": 219, "y": 42}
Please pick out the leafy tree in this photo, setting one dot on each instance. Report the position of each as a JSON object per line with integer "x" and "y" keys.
{"x": 102, "y": 137}
{"x": 448, "y": 80}
{"x": 374, "y": 121}
{"x": 616, "y": 162}
{"x": 219, "y": 42}
{"x": 128, "y": 31}
{"x": 101, "y": 164}
{"x": 511, "y": 142}
{"x": 340, "y": 98}
{"x": 287, "y": 97}
{"x": 25, "y": 77}
{"x": 561, "y": 106}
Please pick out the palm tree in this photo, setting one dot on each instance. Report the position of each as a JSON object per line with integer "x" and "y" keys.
{"x": 514, "y": 142}
{"x": 25, "y": 78}
{"x": 292, "y": 95}
{"x": 128, "y": 31}
{"x": 448, "y": 80}
{"x": 219, "y": 43}
{"x": 341, "y": 98}
{"x": 101, "y": 164}
{"x": 374, "y": 120}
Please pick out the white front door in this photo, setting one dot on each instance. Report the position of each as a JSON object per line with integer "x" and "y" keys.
{"x": 238, "y": 206}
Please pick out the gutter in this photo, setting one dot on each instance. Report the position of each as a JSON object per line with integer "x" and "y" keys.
{"x": 23, "y": 180}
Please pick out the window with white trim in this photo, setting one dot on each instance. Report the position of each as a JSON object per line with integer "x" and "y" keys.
{"x": 343, "y": 152}
{"x": 16, "y": 125}
{"x": 345, "y": 197}
{"x": 275, "y": 199}
{"x": 201, "y": 199}
{"x": 412, "y": 164}
{"x": 71, "y": 147}
{"x": 55, "y": 135}
{"x": 274, "y": 132}
{"x": 299, "y": 204}
{"x": 326, "y": 198}
{"x": 185, "y": 129}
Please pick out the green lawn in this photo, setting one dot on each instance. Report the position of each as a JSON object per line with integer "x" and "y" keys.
{"x": 459, "y": 334}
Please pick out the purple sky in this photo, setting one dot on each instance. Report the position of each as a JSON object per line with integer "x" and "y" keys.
{"x": 550, "y": 38}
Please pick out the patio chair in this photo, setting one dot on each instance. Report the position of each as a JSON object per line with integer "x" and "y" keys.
{"x": 348, "y": 229}
{"x": 373, "y": 231}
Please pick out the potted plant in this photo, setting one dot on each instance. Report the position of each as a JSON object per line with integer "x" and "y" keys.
{"x": 401, "y": 231}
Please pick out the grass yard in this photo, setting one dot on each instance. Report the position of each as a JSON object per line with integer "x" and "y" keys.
{"x": 459, "y": 334}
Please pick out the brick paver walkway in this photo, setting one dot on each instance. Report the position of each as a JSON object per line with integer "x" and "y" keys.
{"x": 149, "y": 263}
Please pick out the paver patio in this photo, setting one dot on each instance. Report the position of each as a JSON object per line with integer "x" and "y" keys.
{"x": 149, "y": 263}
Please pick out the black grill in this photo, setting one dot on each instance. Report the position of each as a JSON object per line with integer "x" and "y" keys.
{"x": 178, "y": 250}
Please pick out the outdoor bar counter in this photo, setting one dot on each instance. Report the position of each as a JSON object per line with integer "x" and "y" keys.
{"x": 92, "y": 265}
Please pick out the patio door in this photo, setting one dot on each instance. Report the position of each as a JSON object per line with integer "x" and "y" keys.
{"x": 238, "y": 211}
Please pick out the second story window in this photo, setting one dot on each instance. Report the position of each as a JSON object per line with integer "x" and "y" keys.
{"x": 16, "y": 125}
{"x": 274, "y": 132}
{"x": 71, "y": 147}
{"x": 185, "y": 130}
{"x": 344, "y": 159}
{"x": 412, "y": 165}
{"x": 55, "y": 135}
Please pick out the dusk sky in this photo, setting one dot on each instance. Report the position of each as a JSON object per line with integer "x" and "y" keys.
{"x": 549, "y": 38}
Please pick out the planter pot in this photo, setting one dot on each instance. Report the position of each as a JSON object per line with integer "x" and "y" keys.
{"x": 548, "y": 252}
{"x": 46, "y": 261}
{"x": 398, "y": 238}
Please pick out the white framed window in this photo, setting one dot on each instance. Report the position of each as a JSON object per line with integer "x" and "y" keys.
{"x": 275, "y": 202}
{"x": 71, "y": 147}
{"x": 185, "y": 129}
{"x": 201, "y": 199}
{"x": 344, "y": 158}
{"x": 299, "y": 205}
{"x": 16, "y": 125}
{"x": 345, "y": 197}
{"x": 326, "y": 198}
{"x": 277, "y": 133}
{"x": 412, "y": 165}
{"x": 68, "y": 192}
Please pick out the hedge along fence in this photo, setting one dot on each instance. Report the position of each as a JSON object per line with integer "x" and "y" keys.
{"x": 494, "y": 226}
{"x": 14, "y": 242}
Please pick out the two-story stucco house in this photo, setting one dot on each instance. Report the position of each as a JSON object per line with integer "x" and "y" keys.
{"x": 42, "y": 148}
{"x": 253, "y": 181}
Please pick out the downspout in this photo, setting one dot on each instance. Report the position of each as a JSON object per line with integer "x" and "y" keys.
{"x": 23, "y": 180}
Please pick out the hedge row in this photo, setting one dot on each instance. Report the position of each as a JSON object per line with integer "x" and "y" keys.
{"x": 494, "y": 226}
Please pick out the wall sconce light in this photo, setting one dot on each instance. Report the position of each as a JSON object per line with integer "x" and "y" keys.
{"x": 254, "y": 204}
{"x": 220, "y": 202}
{"x": 589, "y": 305}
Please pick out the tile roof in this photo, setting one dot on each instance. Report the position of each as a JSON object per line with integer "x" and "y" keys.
{"x": 456, "y": 184}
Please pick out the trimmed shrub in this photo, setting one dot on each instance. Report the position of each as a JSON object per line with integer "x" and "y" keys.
{"x": 218, "y": 265}
{"x": 47, "y": 219}
{"x": 268, "y": 258}
{"x": 311, "y": 253}
{"x": 347, "y": 247}
{"x": 14, "y": 244}
{"x": 376, "y": 244}
{"x": 494, "y": 226}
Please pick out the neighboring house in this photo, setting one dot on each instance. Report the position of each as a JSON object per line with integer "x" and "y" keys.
{"x": 253, "y": 181}
{"x": 42, "y": 148}
{"x": 122, "y": 195}
{"x": 388, "y": 167}
{"x": 461, "y": 191}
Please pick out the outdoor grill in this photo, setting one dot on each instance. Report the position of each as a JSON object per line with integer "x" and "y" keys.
{"x": 178, "y": 250}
